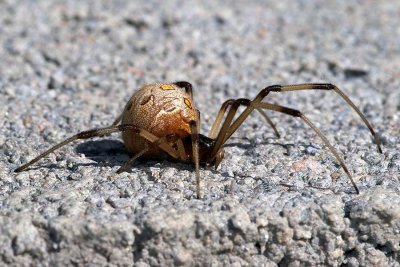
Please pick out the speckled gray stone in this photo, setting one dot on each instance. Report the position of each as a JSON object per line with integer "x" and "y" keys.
{"x": 68, "y": 66}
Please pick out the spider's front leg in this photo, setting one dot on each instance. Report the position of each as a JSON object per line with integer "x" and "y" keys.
{"x": 187, "y": 86}
{"x": 233, "y": 105}
{"x": 299, "y": 87}
{"x": 229, "y": 127}
{"x": 302, "y": 87}
{"x": 230, "y": 103}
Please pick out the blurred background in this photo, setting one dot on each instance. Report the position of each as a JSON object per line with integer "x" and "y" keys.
{"x": 96, "y": 53}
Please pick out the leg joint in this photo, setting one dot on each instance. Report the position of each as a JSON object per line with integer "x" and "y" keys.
{"x": 183, "y": 84}
{"x": 273, "y": 88}
{"x": 242, "y": 101}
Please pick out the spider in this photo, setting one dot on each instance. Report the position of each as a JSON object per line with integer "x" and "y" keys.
{"x": 161, "y": 121}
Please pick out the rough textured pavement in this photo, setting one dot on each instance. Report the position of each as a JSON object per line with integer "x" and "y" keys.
{"x": 67, "y": 66}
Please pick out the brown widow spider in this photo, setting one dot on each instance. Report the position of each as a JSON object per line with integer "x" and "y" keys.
{"x": 160, "y": 121}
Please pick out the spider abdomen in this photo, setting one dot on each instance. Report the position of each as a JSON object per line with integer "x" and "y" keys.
{"x": 161, "y": 109}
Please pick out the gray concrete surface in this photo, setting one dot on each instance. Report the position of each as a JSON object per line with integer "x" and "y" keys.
{"x": 67, "y": 66}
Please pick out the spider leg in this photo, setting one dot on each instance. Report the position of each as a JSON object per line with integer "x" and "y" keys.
{"x": 187, "y": 86}
{"x": 217, "y": 122}
{"x": 221, "y": 138}
{"x": 117, "y": 120}
{"x": 181, "y": 150}
{"x": 101, "y": 132}
{"x": 224, "y": 107}
{"x": 311, "y": 86}
{"x": 269, "y": 121}
{"x": 296, "y": 113}
{"x": 158, "y": 143}
{"x": 129, "y": 162}
{"x": 194, "y": 129}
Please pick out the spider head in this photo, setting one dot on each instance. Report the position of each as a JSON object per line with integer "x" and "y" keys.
{"x": 206, "y": 146}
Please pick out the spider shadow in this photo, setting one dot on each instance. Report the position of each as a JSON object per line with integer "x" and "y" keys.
{"x": 104, "y": 152}
{"x": 113, "y": 153}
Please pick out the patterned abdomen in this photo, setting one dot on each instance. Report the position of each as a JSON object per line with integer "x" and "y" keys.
{"x": 161, "y": 109}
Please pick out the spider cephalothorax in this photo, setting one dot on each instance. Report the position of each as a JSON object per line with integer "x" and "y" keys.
{"x": 160, "y": 120}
